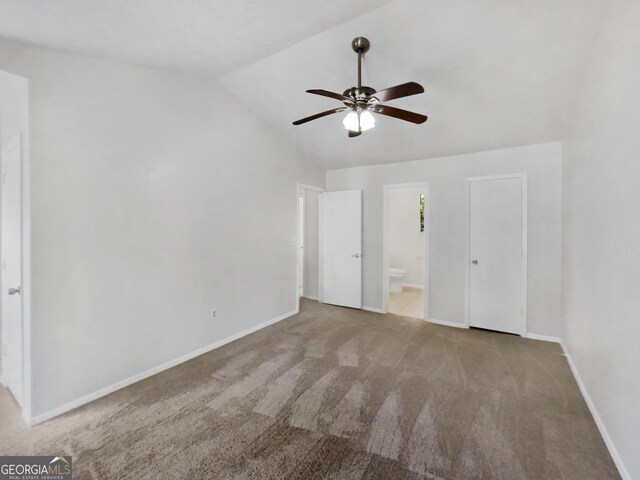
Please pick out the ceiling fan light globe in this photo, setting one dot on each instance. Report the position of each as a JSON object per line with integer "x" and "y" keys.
{"x": 367, "y": 120}
{"x": 351, "y": 122}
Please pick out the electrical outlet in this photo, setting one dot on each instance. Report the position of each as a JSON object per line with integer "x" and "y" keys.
{"x": 214, "y": 314}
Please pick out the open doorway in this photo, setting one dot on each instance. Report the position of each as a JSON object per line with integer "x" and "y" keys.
{"x": 406, "y": 249}
{"x": 307, "y": 242}
{"x": 301, "y": 225}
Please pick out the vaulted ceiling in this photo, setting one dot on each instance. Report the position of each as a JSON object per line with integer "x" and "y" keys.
{"x": 497, "y": 73}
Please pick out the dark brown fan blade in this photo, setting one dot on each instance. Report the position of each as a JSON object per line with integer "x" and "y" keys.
{"x": 399, "y": 91}
{"x": 326, "y": 93}
{"x": 319, "y": 115}
{"x": 399, "y": 113}
{"x": 354, "y": 134}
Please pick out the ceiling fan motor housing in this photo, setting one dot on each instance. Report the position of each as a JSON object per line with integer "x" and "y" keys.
{"x": 359, "y": 92}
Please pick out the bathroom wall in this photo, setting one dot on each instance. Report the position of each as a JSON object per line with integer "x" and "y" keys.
{"x": 406, "y": 242}
{"x": 446, "y": 177}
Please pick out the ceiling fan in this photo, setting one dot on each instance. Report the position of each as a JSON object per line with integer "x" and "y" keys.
{"x": 361, "y": 101}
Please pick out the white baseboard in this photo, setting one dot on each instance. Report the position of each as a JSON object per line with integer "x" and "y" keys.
{"x": 310, "y": 297}
{"x": 544, "y": 338}
{"x": 447, "y": 323}
{"x": 413, "y": 285}
{"x": 26, "y": 417}
{"x": 148, "y": 373}
{"x": 373, "y": 309}
{"x": 624, "y": 473}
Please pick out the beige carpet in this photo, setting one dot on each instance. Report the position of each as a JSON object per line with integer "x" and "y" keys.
{"x": 338, "y": 394}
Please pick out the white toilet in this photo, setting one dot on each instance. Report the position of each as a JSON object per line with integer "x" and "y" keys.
{"x": 395, "y": 279}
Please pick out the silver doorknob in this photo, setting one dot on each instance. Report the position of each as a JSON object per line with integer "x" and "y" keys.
{"x": 475, "y": 262}
{"x": 356, "y": 255}
{"x": 13, "y": 291}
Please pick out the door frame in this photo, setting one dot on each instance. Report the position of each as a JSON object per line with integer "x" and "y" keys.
{"x": 385, "y": 242}
{"x": 467, "y": 244}
{"x": 21, "y": 141}
{"x": 302, "y": 188}
{"x": 302, "y": 220}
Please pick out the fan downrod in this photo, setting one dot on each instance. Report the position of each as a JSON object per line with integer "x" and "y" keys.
{"x": 360, "y": 45}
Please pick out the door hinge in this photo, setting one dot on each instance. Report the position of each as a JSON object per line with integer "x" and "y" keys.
{"x": 4, "y": 178}
{"x": 4, "y": 264}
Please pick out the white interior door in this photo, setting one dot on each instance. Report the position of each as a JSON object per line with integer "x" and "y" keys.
{"x": 12, "y": 266}
{"x": 496, "y": 253}
{"x": 341, "y": 248}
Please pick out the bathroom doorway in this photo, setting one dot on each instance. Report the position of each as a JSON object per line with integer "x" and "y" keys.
{"x": 406, "y": 249}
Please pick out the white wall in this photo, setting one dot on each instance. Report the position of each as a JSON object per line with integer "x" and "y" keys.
{"x": 406, "y": 241}
{"x": 14, "y": 106}
{"x": 601, "y": 232}
{"x": 447, "y": 192}
{"x": 155, "y": 198}
{"x": 14, "y": 120}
